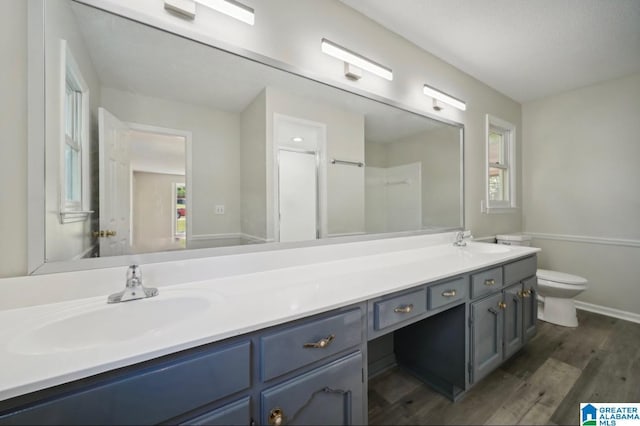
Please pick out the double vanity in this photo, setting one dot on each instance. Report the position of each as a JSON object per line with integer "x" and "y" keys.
{"x": 280, "y": 346}
{"x": 280, "y": 329}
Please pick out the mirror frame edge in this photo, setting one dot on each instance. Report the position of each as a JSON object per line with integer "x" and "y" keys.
{"x": 35, "y": 136}
{"x": 36, "y": 148}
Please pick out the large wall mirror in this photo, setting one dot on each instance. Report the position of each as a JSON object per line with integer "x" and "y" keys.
{"x": 157, "y": 145}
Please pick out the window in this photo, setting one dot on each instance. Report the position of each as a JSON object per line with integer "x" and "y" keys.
{"x": 180, "y": 218}
{"x": 501, "y": 137}
{"x": 75, "y": 134}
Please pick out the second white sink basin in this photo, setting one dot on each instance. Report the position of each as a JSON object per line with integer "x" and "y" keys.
{"x": 94, "y": 326}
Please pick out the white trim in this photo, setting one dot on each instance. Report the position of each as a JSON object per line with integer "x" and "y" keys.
{"x": 509, "y": 206}
{"x": 610, "y": 312}
{"x": 204, "y": 237}
{"x": 240, "y": 235}
{"x": 84, "y": 253}
{"x": 585, "y": 239}
{"x": 321, "y": 173}
{"x": 76, "y": 211}
{"x": 346, "y": 234}
{"x": 35, "y": 138}
{"x": 188, "y": 144}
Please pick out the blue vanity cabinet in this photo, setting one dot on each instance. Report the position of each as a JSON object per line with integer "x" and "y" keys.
{"x": 529, "y": 308}
{"x": 232, "y": 414}
{"x": 487, "y": 324}
{"x": 502, "y": 322}
{"x": 151, "y": 392}
{"x": 513, "y": 313}
{"x": 329, "y": 395}
{"x": 313, "y": 371}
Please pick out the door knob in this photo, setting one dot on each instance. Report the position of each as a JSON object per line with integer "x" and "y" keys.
{"x": 101, "y": 233}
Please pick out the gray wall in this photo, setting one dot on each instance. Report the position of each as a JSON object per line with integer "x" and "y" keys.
{"x": 582, "y": 187}
{"x": 13, "y": 138}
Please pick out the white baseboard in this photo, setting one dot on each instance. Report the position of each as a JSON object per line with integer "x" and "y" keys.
{"x": 610, "y": 312}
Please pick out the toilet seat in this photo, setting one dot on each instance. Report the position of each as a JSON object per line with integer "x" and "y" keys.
{"x": 560, "y": 277}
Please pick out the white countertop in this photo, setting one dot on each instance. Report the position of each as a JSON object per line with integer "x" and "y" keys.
{"x": 34, "y": 356}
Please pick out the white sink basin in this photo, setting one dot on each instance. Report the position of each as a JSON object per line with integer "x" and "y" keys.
{"x": 486, "y": 248}
{"x": 92, "y": 326}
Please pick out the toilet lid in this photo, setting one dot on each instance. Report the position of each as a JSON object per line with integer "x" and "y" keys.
{"x": 559, "y": 277}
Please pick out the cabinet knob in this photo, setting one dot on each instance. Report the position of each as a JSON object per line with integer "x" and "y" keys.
{"x": 276, "y": 417}
{"x": 490, "y": 282}
{"x": 449, "y": 293}
{"x": 502, "y": 305}
{"x": 405, "y": 309}
{"x": 322, "y": 343}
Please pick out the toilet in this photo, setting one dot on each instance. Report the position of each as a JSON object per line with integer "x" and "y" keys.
{"x": 556, "y": 290}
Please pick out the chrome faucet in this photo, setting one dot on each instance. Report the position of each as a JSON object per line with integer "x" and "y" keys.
{"x": 134, "y": 288}
{"x": 460, "y": 238}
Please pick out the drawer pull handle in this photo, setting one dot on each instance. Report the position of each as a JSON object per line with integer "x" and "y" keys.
{"x": 322, "y": 343}
{"x": 403, "y": 309}
{"x": 449, "y": 293}
{"x": 276, "y": 417}
{"x": 524, "y": 293}
{"x": 490, "y": 282}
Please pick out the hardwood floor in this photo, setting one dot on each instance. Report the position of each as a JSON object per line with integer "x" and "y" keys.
{"x": 544, "y": 383}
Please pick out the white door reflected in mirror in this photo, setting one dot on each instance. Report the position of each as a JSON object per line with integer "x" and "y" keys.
{"x": 115, "y": 184}
{"x": 298, "y": 195}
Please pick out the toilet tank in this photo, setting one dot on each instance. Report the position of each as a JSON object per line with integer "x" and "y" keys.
{"x": 514, "y": 239}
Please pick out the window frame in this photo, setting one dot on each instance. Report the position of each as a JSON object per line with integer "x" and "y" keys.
{"x": 77, "y": 209}
{"x": 508, "y": 131}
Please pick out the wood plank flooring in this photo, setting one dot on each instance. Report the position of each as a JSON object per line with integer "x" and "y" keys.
{"x": 544, "y": 383}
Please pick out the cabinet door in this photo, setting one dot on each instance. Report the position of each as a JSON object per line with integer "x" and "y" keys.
{"x": 329, "y": 395}
{"x": 513, "y": 301}
{"x": 486, "y": 336}
{"x": 234, "y": 413}
{"x": 530, "y": 308}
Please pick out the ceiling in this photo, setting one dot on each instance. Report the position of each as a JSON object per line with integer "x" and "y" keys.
{"x": 526, "y": 50}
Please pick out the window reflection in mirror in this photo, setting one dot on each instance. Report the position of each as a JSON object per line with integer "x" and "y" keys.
{"x": 230, "y": 120}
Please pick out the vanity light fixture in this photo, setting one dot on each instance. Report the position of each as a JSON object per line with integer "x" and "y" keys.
{"x": 231, "y": 8}
{"x": 354, "y": 61}
{"x": 437, "y": 95}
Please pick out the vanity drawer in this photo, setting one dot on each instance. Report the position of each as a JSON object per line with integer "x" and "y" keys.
{"x": 304, "y": 344}
{"x": 448, "y": 292}
{"x": 486, "y": 282}
{"x": 397, "y": 309}
{"x": 148, "y": 395}
{"x": 518, "y": 271}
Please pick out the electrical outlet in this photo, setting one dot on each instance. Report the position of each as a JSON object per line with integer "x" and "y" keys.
{"x": 220, "y": 209}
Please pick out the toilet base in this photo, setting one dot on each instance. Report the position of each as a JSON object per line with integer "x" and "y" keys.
{"x": 559, "y": 311}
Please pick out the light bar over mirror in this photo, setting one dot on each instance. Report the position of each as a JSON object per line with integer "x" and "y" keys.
{"x": 355, "y": 59}
{"x": 441, "y": 96}
{"x": 229, "y": 7}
